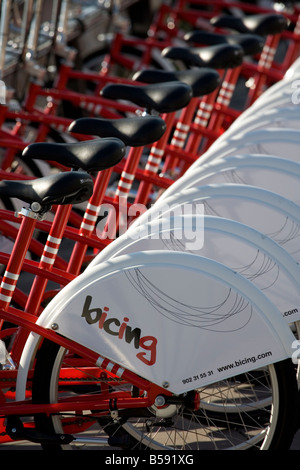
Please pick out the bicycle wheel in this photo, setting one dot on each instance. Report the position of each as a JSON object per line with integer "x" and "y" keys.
{"x": 234, "y": 414}
{"x": 254, "y": 410}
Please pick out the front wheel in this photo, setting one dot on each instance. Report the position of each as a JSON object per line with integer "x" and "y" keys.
{"x": 256, "y": 410}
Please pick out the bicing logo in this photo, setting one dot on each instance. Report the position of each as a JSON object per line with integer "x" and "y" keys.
{"x": 106, "y": 321}
{"x": 2, "y": 92}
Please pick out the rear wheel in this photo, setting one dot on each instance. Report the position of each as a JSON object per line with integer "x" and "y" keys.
{"x": 255, "y": 410}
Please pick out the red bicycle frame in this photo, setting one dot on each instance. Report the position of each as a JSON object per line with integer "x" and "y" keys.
{"x": 25, "y": 322}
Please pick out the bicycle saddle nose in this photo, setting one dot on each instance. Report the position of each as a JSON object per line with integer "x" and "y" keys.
{"x": 220, "y": 56}
{"x": 251, "y": 44}
{"x": 135, "y": 131}
{"x": 263, "y": 24}
{"x": 90, "y": 155}
{"x": 59, "y": 189}
{"x": 202, "y": 81}
{"x": 168, "y": 97}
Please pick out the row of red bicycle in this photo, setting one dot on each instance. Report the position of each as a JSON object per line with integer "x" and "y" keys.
{"x": 151, "y": 109}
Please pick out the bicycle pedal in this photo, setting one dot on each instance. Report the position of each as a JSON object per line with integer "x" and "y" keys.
{"x": 17, "y": 431}
{"x": 123, "y": 440}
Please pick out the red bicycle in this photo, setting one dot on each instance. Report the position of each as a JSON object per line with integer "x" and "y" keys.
{"x": 76, "y": 388}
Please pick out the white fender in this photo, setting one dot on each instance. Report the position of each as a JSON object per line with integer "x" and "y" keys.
{"x": 269, "y": 141}
{"x": 293, "y": 70}
{"x": 276, "y": 174}
{"x": 265, "y": 211}
{"x": 278, "y": 95}
{"x": 236, "y": 245}
{"x": 173, "y": 318}
{"x": 282, "y": 117}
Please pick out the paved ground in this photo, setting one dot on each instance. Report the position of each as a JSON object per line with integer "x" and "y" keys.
{"x": 32, "y": 447}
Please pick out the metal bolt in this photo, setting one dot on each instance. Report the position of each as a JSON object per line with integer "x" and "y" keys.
{"x": 114, "y": 414}
{"x": 165, "y": 384}
{"x": 36, "y": 207}
{"x": 54, "y": 326}
{"x": 160, "y": 400}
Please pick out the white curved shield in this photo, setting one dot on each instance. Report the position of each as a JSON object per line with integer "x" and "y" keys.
{"x": 172, "y": 318}
{"x": 275, "y": 174}
{"x": 240, "y": 247}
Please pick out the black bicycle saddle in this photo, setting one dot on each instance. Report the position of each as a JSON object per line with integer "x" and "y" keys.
{"x": 133, "y": 131}
{"x": 90, "y": 155}
{"x": 166, "y": 98}
{"x": 202, "y": 81}
{"x": 251, "y": 44}
{"x": 262, "y": 24}
{"x": 220, "y": 56}
{"x": 57, "y": 189}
